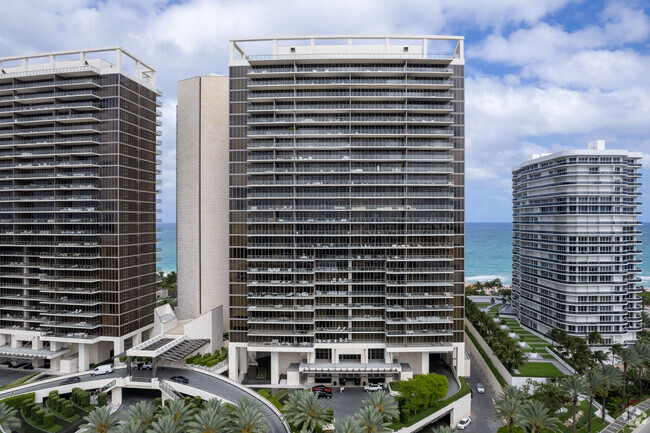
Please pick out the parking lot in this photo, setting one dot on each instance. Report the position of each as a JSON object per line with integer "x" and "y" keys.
{"x": 347, "y": 403}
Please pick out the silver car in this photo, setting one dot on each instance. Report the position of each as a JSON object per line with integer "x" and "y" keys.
{"x": 480, "y": 388}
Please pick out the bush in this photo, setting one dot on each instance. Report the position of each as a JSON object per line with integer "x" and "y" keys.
{"x": 158, "y": 401}
{"x": 17, "y": 401}
{"x": 53, "y": 393}
{"x": 122, "y": 358}
{"x": 84, "y": 399}
{"x": 48, "y": 420}
{"x": 40, "y": 414}
{"x": 187, "y": 400}
{"x": 102, "y": 399}
{"x": 69, "y": 410}
{"x": 27, "y": 409}
{"x": 197, "y": 401}
{"x": 32, "y": 412}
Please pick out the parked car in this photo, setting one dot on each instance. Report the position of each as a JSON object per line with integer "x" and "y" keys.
{"x": 372, "y": 387}
{"x": 71, "y": 380}
{"x": 323, "y": 394}
{"x": 143, "y": 366}
{"x": 463, "y": 423}
{"x": 179, "y": 379}
{"x": 322, "y": 388}
{"x": 480, "y": 388}
{"x": 102, "y": 369}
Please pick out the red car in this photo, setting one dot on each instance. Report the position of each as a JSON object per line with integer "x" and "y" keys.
{"x": 321, "y": 388}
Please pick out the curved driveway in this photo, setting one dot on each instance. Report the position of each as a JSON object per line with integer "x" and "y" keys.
{"x": 199, "y": 380}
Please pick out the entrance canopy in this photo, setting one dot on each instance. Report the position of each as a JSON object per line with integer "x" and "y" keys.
{"x": 169, "y": 348}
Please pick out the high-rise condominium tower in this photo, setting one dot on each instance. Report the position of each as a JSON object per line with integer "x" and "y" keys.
{"x": 575, "y": 242}
{"x": 347, "y": 207}
{"x": 77, "y": 205}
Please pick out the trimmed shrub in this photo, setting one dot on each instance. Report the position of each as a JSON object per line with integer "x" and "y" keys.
{"x": 188, "y": 400}
{"x": 158, "y": 401}
{"x": 27, "y": 409}
{"x": 84, "y": 399}
{"x": 32, "y": 412}
{"x": 197, "y": 401}
{"x": 48, "y": 420}
{"x": 17, "y": 401}
{"x": 39, "y": 416}
{"x": 69, "y": 410}
{"x": 102, "y": 399}
{"x": 122, "y": 358}
{"x": 53, "y": 393}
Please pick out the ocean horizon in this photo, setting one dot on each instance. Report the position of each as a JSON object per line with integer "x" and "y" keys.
{"x": 488, "y": 251}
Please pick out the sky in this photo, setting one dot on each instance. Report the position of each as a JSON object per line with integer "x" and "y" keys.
{"x": 541, "y": 75}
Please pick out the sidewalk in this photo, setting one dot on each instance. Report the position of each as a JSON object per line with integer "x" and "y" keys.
{"x": 621, "y": 421}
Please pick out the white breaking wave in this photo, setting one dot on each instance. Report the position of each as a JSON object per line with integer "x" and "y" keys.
{"x": 483, "y": 278}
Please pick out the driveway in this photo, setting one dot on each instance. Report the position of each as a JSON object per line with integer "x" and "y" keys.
{"x": 347, "y": 403}
{"x": 482, "y": 407}
{"x": 8, "y": 375}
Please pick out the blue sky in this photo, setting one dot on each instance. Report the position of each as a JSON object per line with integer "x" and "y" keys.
{"x": 542, "y": 75}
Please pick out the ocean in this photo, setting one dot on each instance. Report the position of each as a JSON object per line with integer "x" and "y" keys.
{"x": 488, "y": 251}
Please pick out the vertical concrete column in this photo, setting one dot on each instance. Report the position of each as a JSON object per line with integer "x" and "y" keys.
{"x": 364, "y": 356}
{"x": 243, "y": 360}
{"x": 118, "y": 346}
{"x": 3, "y": 339}
{"x": 275, "y": 368}
{"x": 116, "y": 396}
{"x": 388, "y": 357}
{"x": 311, "y": 357}
{"x": 55, "y": 364}
{"x": 37, "y": 343}
{"x": 15, "y": 343}
{"x": 137, "y": 339}
{"x": 425, "y": 362}
{"x": 232, "y": 363}
{"x": 335, "y": 356}
{"x": 54, "y": 346}
{"x": 84, "y": 357}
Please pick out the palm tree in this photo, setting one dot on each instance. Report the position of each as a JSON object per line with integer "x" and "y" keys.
{"x": 165, "y": 424}
{"x": 572, "y": 387}
{"x": 616, "y": 350}
{"x": 593, "y": 383}
{"x": 100, "y": 420}
{"x": 509, "y": 405}
{"x": 130, "y": 426}
{"x": 207, "y": 421}
{"x": 643, "y": 353}
{"x": 611, "y": 379}
{"x": 629, "y": 357}
{"x": 247, "y": 417}
{"x": 441, "y": 429}
{"x": 304, "y": 411}
{"x": 141, "y": 412}
{"x": 348, "y": 425}
{"x": 8, "y": 417}
{"x": 179, "y": 412}
{"x": 595, "y": 338}
{"x": 512, "y": 393}
{"x": 536, "y": 417}
{"x": 384, "y": 403}
{"x": 600, "y": 357}
{"x": 215, "y": 406}
{"x": 371, "y": 421}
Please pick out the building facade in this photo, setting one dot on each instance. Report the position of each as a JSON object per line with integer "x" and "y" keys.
{"x": 78, "y": 152}
{"x": 576, "y": 242}
{"x": 346, "y": 208}
{"x": 202, "y": 196}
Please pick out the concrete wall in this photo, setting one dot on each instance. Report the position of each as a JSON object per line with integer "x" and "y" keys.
{"x": 459, "y": 409}
{"x": 202, "y": 197}
{"x": 208, "y": 325}
{"x": 480, "y": 362}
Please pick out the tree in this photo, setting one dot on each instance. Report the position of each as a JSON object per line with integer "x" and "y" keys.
{"x": 304, "y": 411}
{"x": 509, "y": 405}
{"x": 600, "y": 357}
{"x": 141, "y": 412}
{"x": 593, "y": 383}
{"x": 348, "y": 425}
{"x": 629, "y": 357}
{"x": 8, "y": 417}
{"x": 130, "y": 425}
{"x": 616, "y": 350}
{"x": 441, "y": 429}
{"x": 384, "y": 403}
{"x": 371, "y": 420}
{"x": 535, "y": 416}
{"x": 214, "y": 405}
{"x": 611, "y": 379}
{"x": 165, "y": 424}
{"x": 572, "y": 387}
{"x": 208, "y": 421}
{"x": 179, "y": 412}
{"x": 643, "y": 353}
{"x": 595, "y": 338}
{"x": 247, "y": 417}
{"x": 100, "y": 420}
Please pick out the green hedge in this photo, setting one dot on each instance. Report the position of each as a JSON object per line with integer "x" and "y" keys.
{"x": 102, "y": 399}
{"x": 48, "y": 420}
{"x": 17, "y": 400}
{"x": 267, "y": 395}
{"x": 493, "y": 369}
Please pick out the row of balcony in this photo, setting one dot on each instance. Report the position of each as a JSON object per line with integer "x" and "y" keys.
{"x": 351, "y": 143}
{"x": 298, "y": 68}
{"x": 344, "y": 106}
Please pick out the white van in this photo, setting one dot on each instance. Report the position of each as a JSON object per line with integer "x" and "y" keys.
{"x": 102, "y": 369}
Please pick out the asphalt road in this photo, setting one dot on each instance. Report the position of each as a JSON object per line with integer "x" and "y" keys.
{"x": 205, "y": 382}
{"x": 482, "y": 407}
{"x": 8, "y": 375}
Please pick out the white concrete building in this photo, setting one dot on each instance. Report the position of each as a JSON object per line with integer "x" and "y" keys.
{"x": 202, "y": 229}
{"x": 576, "y": 242}
{"x": 346, "y": 207}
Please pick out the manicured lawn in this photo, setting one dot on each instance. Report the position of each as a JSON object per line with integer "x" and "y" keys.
{"x": 19, "y": 382}
{"x": 482, "y": 304}
{"x": 539, "y": 369}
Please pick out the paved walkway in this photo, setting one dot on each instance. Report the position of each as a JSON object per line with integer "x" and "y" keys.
{"x": 621, "y": 421}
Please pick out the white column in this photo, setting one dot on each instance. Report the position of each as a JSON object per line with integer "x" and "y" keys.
{"x": 275, "y": 368}
{"x": 335, "y": 356}
{"x": 116, "y": 396}
{"x": 55, "y": 364}
{"x": 425, "y": 362}
{"x": 118, "y": 346}
{"x": 137, "y": 338}
{"x": 232, "y": 363}
{"x": 84, "y": 357}
{"x": 243, "y": 360}
{"x": 15, "y": 343}
{"x": 364, "y": 356}
{"x": 388, "y": 357}
{"x": 37, "y": 344}
{"x": 54, "y": 346}
{"x": 3, "y": 339}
